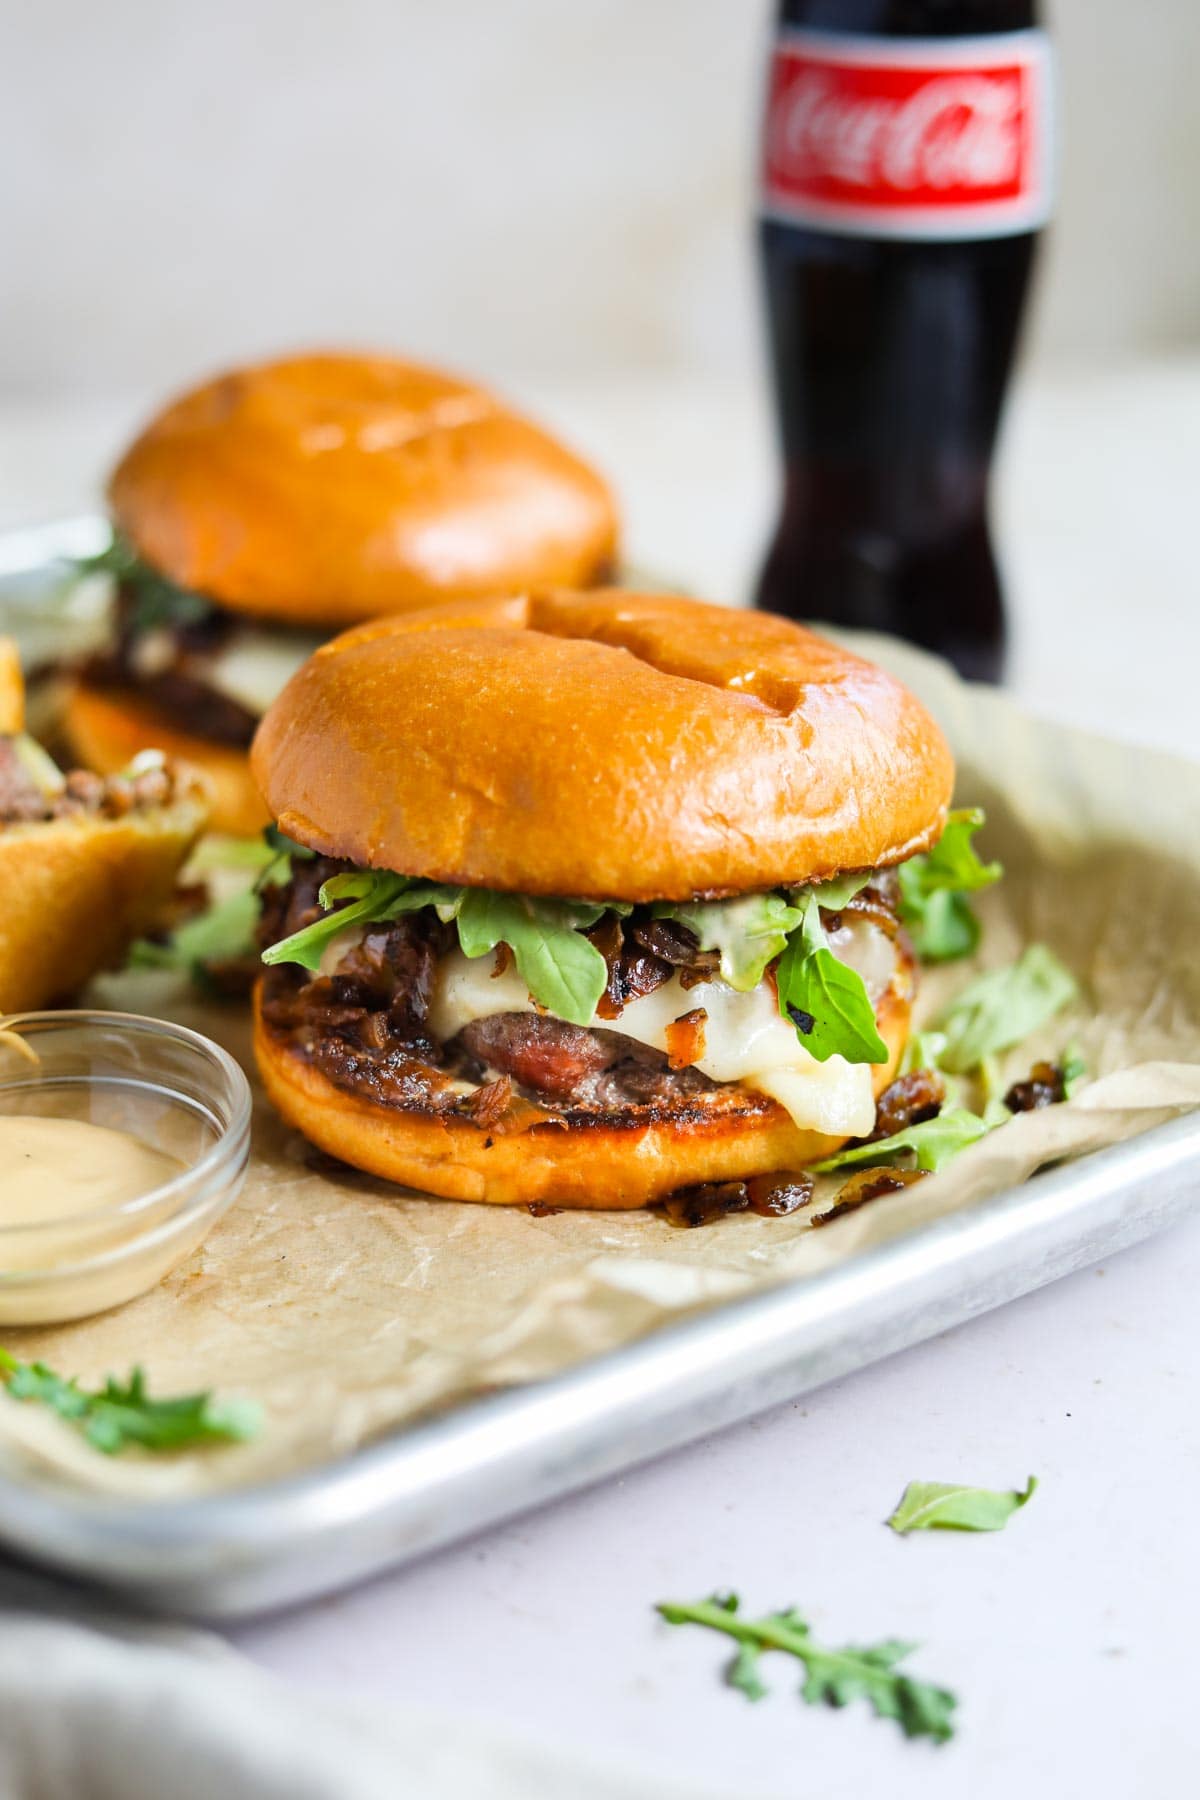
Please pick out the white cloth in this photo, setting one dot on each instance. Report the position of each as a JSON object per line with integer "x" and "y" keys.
{"x": 115, "y": 1709}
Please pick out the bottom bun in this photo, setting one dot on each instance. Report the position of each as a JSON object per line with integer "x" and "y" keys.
{"x": 77, "y": 891}
{"x": 107, "y": 728}
{"x": 591, "y": 1162}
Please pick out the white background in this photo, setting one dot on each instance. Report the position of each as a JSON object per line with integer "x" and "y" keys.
{"x": 518, "y": 187}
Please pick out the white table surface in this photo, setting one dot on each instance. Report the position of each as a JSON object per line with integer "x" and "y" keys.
{"x": 1070, "y": 1637}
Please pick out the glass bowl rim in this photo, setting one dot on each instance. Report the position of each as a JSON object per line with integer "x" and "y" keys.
{"x": 220, "y": 1160}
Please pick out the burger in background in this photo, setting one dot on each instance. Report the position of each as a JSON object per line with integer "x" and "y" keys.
{"x": 267, "y": 509}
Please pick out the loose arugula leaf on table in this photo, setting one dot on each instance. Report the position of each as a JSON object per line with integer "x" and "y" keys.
{"x": 933, "y": 889}
{"x": 933, "y": 1142}
{"x": 948, "y": 1506}
{"x": 118, "y": 1415}
{"x": 999, "y": 1008}
{"x": 827, "y": 1002}
{"x": 835, "y": 1677}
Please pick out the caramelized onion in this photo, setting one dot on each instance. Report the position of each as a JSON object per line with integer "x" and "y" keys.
{"x": 867, "y": 1184}
{"x": 685, "y": 1038}
{"x": 909, "y": 1100}
{"x": 771, "y": 1196}
{"x": 1044, "y": 1087}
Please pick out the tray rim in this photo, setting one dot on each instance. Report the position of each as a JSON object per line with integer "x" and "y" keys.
{"x": 233, "y": 1553}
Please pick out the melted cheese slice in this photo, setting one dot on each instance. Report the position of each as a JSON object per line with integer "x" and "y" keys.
{"x": 745, "y": 1040}
{"x": 255, "y": 664}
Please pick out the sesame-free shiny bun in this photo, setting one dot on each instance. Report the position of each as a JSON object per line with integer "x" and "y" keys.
{"x": 607, "y": 744}
{"x": 329, "y": 488}
{"x": 107, "y": 727}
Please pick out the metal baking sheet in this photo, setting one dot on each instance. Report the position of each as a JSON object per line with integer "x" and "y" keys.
{"x": 227, "y": 1556}
{"x": 425, "y": 1485}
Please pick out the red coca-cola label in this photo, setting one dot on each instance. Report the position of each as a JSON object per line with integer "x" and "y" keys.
{"x": 909, "y": 137}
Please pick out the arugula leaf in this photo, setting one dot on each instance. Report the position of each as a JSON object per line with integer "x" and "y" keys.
{"x": 222, "y": 933}
{"x": 566, "y": 974}
{"x": 562, "y": 969}
{"x": 283, "y": 845}
{"x": 836, "y": 894}
{"x": 357, "y": 884}
{"x": 835, "y": 1677}
{"x": 280, "y": 852}
{"x": 947, "y": 1506}
{"x": 121, "y": 1414}
{"x": 246, "y": 855}
{"x": 1003, "y": 1006}
{"x": 933, "y": 1143}
{"x": 933, "y": 887}
{"x": 1074, "y": 1070}
{"x": 749, "y": 933}
{"x": 154, "y": 601}
{"x": 827, "y": 1002}
{"x": 743, "y": 1672}
{"x": 923, "y": 1051}
{"x": 946, "y": 928}
{"x": 376, "y": 891}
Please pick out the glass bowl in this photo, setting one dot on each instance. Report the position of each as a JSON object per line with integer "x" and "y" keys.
{"x": 166, "y": 1085}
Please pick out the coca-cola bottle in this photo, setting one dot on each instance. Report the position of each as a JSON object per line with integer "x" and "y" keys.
{"x": 906, "y": 171}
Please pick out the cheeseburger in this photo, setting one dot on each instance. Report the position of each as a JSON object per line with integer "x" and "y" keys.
{"x": 589, "y": 896}
{"x": 265, "y": 510}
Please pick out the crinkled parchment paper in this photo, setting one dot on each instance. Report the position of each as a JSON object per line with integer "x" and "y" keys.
{"x": 347, "y": 1306}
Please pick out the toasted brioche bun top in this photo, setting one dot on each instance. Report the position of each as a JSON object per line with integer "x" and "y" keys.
{"x": 333, "y": 488}
{"x": 607, "y": 745}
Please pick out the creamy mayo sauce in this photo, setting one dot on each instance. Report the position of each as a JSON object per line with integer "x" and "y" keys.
{"x": 53, "y": 1169}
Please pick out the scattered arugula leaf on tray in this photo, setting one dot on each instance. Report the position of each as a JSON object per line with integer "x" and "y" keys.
{"x": 835, "y": 1677}
{"x": 934, "y": 886}
{"x": 932, "y": 1143}
{"x": 118, "y": 1415}
{"x": 1000, "y": 1008}
{"x": 949, "y": 1506}
{"x": 219, "y": 934}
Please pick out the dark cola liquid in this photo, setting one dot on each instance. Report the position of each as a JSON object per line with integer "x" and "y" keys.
{"x": 890, "y": 360}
